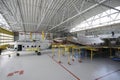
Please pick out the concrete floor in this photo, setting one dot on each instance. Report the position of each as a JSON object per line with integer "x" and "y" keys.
{"x": 32, "y": 67}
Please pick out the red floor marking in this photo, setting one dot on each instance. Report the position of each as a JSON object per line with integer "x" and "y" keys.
{"x": 10, "y": 74}
{"x": 16, "y": 72}
{"x": 107, "y": 74}
{"x": 65, "y": 68}
{"x": 21, "y": 72}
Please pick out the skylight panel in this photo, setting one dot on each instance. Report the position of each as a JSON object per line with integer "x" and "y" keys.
{"x": 111, "y": 11}
{"x": 103, "y": 14}
{"x": 114, "y": 16}
{"x": 108, "y": 17}
{"x": 118, "y": 7}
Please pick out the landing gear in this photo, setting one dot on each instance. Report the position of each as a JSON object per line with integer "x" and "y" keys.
{"x": 38, "y": 53}
{"x": 9, "y": 55}
{"x": 0, "y": 51}
{"x": 17, "y": 54}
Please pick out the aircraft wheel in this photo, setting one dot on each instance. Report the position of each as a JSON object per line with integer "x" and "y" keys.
{"x": 39, "y": 53}
{"x": 36, "y": 51}
{"x": 0, "y": 51}
{"x": 9, "y": 55}
{"x": 17, "y": 54}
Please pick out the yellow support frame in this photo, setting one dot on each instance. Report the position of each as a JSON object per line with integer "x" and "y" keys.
{"x": 67, "y": 47}
{"x": 31, "y": 36}
{"x": 43, "y": 35}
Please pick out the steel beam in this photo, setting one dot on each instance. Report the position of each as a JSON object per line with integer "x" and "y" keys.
{"x": 44, "y": 14}
{"x": 21, "y": 14}
{"x": 86, "y": 10}
{"x": 110, "y": 7}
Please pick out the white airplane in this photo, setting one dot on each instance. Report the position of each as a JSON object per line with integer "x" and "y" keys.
{"x": 36, "y": 46}
{"x": 81, "y": 40}
{"x": 90, "y": 40}
{"x": 59, "y": 40}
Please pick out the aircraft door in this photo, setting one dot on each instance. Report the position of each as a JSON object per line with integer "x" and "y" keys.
{"x": 19, "y": 48}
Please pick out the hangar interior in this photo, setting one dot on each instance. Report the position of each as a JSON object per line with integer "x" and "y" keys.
{"x": 59, "y": 39}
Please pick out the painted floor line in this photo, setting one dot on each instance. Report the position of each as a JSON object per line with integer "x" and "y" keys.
{"x": 15, "y": 72}
{"x": 65, "y": 68}
{"x": 107, "y": 74}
